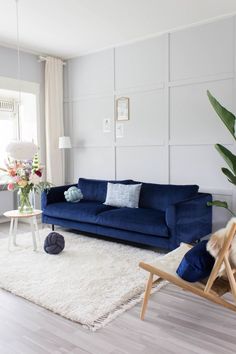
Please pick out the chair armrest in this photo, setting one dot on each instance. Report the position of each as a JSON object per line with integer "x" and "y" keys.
{"x": 190, "y": 219}
{"x": 54, "y": 195}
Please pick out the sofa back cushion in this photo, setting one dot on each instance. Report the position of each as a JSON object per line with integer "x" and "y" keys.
{"x": 95, "y": 189}
{"x": 160, "y": 196}
{"x": 123, "y": 196}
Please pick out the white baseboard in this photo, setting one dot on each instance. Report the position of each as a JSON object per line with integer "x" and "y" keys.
{"x": 3, "y": 219}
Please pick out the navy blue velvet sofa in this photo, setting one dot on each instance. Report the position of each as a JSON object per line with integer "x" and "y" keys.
{"x": 167, "y": 214}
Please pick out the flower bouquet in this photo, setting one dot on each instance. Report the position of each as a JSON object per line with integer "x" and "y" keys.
{"x": 26, "y": 178}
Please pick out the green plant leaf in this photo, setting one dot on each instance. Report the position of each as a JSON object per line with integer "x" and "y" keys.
{"x": 227, "y": 155}
{"x": 226, "y": 116}
{"x": 231, "y": 177}
{"x": 221, "y": 204}
{"x": 218, "y": 203}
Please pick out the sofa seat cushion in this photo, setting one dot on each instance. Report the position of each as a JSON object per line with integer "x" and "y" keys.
{"x": 145, "y": 221}
{"x": 84, "y": 211}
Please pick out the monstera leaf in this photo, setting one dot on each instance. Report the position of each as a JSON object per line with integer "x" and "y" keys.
{"x": 226, "y": 116}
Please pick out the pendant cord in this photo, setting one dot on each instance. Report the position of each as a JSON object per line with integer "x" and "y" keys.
{"x": 18, "y": 67}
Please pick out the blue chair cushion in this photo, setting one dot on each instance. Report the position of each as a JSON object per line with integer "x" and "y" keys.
{"x": 84, "y": 211}
{"x": 196, "y": 264}
{"x": 96, "y": 190}
{"x": 160, "y": 196}
{"x": 145, "y": 221}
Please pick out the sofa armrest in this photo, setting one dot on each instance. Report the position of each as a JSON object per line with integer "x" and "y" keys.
{"x": 190, "y": 219}
{"x": 54, "y": 195}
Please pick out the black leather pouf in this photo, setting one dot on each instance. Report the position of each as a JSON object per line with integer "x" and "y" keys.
{"x": 54, "y": 243}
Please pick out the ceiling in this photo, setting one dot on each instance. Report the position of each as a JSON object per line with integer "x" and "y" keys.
{"x": 67, "y": 28}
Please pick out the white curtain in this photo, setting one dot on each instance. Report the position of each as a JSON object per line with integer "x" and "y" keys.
{"x": 54, "y": 120}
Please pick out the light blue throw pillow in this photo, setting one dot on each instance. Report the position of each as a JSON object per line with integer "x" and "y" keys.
{"x": 73, "y": 195}
{"x": 122, "y": 195}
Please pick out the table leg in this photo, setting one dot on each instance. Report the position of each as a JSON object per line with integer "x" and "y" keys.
{"x": 15, "y": 231}
{"x": 10, "y": 233}
{"x": 33, "y": 233}
{"x": 37, "y": 230}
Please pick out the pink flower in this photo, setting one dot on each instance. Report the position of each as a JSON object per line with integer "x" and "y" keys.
{"x": 16, "y": 179}
{"x": 10, "y": 186}
{"x": 12, "y": 172}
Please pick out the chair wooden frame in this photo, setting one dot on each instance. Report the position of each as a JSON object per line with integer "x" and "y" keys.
{"x": 212, "y": 289}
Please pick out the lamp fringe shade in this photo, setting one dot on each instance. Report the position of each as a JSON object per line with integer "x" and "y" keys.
{"x": 21, "y": 150}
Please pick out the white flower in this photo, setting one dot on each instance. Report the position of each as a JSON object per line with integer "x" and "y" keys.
{"x": 34, "y": 179}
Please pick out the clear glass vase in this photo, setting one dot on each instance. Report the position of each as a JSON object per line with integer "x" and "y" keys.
{"x": 24, "y": 199}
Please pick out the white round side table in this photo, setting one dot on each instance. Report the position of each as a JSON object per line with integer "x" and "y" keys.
{"x": 14, "y": 215}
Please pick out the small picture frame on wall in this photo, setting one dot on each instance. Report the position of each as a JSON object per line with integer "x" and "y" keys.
{"x": 122, "y": 108}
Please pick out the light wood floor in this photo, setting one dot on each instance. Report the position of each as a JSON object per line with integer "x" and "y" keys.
{"x": 176, "y": 322}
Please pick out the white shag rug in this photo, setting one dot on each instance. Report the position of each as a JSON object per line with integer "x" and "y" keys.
{"x": 91, "y": 282}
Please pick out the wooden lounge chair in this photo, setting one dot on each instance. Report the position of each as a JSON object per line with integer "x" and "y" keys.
{"x": 212, "y": 288}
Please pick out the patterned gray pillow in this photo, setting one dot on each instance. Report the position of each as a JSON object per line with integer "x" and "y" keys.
{"x": 122, "y": 195}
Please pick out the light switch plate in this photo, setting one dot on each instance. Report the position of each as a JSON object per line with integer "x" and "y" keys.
{"x": 119, "y": 130}
{"x": 106, "y": 125}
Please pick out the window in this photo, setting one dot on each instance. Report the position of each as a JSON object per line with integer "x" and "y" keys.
{"x": 8, "y": 124}
{"x": 14, "y": 126}
{"x": 28, "y": 118}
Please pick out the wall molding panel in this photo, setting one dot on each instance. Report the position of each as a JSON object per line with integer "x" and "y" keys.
{"x": 172, "y": 130}
{"x": 88, "y": 97}
{"x": 140, "y": 89}
{"x": 199, "y": 143}
{"x": 195, "y": 81}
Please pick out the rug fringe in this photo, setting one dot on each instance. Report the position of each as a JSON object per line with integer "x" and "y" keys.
{"x": 104, "y": 320}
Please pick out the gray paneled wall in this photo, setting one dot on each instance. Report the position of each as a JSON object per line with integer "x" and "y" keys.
{"x": 172, "y": 129}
